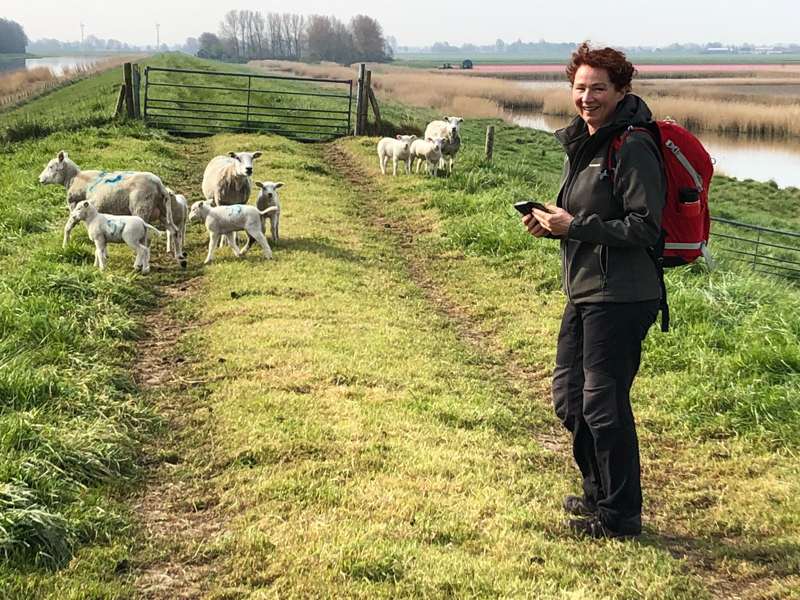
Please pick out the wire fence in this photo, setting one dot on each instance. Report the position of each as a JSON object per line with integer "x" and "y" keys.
{"x": 766, "y": 250}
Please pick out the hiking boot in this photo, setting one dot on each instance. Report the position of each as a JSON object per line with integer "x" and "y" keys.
{"x": 594, "y": 528}
{"x": 578, "y": 506}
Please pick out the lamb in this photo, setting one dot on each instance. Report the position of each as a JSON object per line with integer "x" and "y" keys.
{"x": 427, "y": 150}
{"x": 226, "y": 179}
{"x": 267, "y": 197}
{"x": 136, "y": 193}
{"x": 227, "y": 220}
{"x": 180, "y": 214}
{"x": 397, "y": 149}
{"x": 449, "y": 130}
{"x": 104, "y": 228}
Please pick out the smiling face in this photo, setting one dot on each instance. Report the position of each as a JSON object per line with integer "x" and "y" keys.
{"x": 594, "y": 96}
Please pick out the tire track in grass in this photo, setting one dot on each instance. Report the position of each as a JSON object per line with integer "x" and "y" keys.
{"x": 522, "y": 381}
{"x": 174, "y": 525}
{"x": 517, "y": 376}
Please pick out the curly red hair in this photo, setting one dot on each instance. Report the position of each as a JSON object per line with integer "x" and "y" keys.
{"x": 620, "y": 69}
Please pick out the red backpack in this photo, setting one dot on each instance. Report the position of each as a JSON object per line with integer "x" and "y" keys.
{"x": 685, "y": 221}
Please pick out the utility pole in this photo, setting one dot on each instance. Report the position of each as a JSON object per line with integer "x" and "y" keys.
{"x": 158, "y": 37}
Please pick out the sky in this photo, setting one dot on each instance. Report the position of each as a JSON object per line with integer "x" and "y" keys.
{"x": 422, "y": 22}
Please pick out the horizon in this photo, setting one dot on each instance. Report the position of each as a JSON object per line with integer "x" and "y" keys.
{"x": 724, "y": 23}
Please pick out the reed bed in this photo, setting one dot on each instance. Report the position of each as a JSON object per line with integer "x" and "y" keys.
{"x": 18, "y": 86}
{"x": 699, "y": 107}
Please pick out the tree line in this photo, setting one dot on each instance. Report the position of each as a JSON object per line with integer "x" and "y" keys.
{"x": 248, "y": 34}
{"x": 12, "y": 37}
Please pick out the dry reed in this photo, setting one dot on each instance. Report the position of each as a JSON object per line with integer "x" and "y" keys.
{"x": 698, "y": 107}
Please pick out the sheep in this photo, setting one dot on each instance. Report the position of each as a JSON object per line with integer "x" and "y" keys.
{"x": 429, "y": 151}
{"x": 226, "y": 179}
{"x": 268, "y": 196}
{"x": 105, "y": 228}
{"x": 396, "y": 149}
{"x": 180, "y": 214}
{"x": 449, "y": 129}
{"x": 227, "y": 220}
{"x": 136, "y": 193}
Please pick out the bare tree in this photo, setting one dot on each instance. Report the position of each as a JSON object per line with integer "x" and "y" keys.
{"x": 229, "y": 32}
{"x": 294, "y": 26}
{"x": 368, "y": 41}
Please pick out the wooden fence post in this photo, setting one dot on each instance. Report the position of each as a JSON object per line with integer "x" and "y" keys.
{"x": 127, "y": 72}
{"x": 120, "y": 101}
{"x": 489, "y": 142}
{"x": 365, "y": 113}
{"x": 137, "y": 113}
{"x": 374, "y": 102}
{"x": 360, "y": 94}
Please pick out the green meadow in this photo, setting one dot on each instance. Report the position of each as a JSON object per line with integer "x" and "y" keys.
{"x": 368, "y": 414}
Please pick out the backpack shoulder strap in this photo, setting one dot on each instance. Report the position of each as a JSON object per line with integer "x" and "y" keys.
{"x": 618, "y": 140}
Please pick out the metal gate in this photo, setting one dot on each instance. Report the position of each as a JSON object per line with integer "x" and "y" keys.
{"x": 766, "y": 250}
{"x": 187, "y": 101}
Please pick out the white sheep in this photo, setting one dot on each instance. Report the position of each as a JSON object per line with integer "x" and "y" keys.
{"x": 430, "y": 151}
{"x": 104, "y": 228}
{"x": 267, "y": 197}
{"x": 136, "y": 193}
{"x": 226, "y": 221}
{"x": 449, "y": 129}
{"x": 398, "y": 149}
{"x": 226, "y": 179}
{"x": 180, "y": 215}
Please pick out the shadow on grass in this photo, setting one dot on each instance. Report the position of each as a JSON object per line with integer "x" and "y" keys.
{"x": 779, "y": 557}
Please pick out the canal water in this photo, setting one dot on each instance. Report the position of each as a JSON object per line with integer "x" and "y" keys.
{"x": 58, "y": 64}
{"x": 736, "y": 156}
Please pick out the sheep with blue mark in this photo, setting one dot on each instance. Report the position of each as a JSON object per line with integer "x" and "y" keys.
{"x": 225, "y": 221}
{"x": 104, "y": 229}
{"x": 137, "y": 193}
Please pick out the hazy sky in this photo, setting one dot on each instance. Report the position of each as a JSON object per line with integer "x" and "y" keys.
{"x": 423, "y": 22}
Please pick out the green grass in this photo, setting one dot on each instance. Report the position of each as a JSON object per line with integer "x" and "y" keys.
{"x": 71, "y": 422}
{"x": 71, "y": 108}
{"x": 333, "y": 420}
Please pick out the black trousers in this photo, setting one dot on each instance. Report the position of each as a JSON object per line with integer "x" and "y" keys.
{"x": 599, "y": 350}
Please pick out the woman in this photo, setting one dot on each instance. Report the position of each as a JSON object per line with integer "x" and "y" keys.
{"x": 606, "y": 220}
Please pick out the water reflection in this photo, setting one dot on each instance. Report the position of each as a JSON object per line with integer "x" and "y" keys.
{"x": 58, "y": 64}
{"x": 740, "y": 157}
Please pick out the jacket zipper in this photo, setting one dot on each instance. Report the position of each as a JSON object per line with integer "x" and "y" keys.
{"x": 604, "y": 264}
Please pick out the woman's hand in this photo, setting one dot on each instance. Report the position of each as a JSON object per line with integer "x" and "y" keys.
{"x": 533, "y": 226}
{"x": 556, "y": 222}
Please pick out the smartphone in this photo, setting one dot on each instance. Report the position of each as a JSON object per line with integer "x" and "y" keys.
{"x": 526, "y": 207}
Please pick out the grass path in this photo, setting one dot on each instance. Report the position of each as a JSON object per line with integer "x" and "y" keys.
{"x": 346, "y": 422}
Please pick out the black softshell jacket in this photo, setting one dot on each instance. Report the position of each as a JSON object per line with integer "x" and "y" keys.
{"x": 617, "y": 216}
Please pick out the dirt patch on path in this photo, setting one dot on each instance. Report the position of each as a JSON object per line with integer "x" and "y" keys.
{"x": 177, "y": 517}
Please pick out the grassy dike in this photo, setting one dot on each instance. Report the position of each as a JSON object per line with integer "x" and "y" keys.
{"x": 367, "y": 415}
